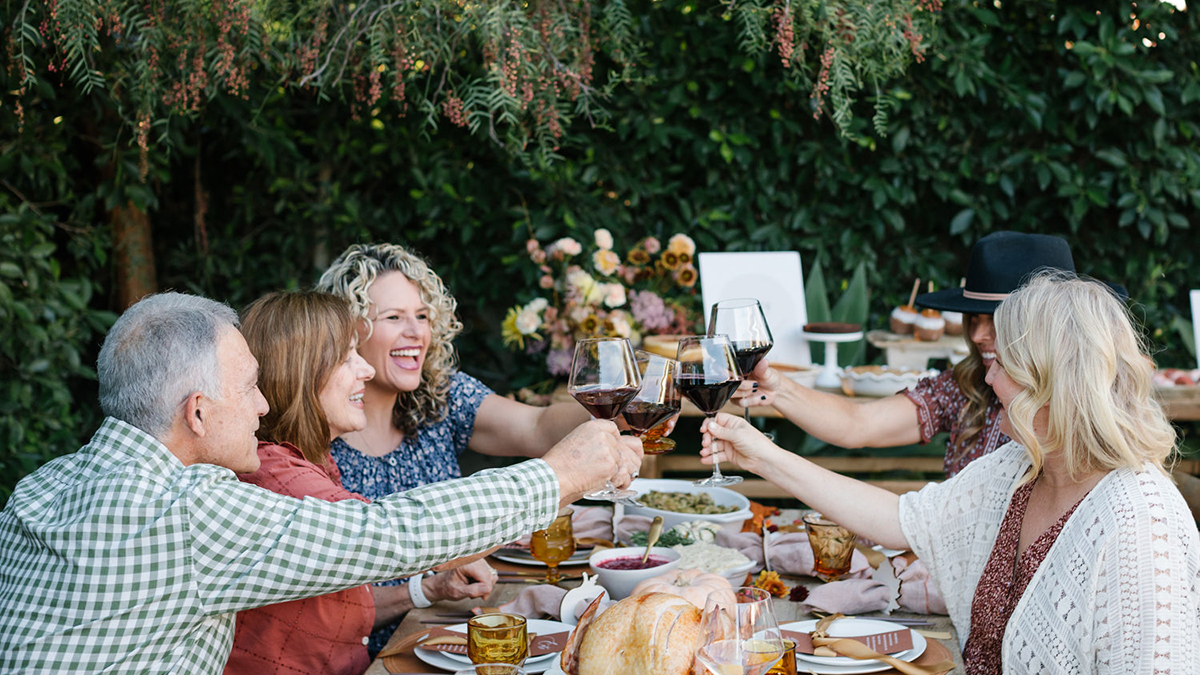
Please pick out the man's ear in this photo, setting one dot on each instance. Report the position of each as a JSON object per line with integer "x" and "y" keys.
{"x": 195, "y": 413}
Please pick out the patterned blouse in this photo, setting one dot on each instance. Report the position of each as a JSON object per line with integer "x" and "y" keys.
{"x": 428, "y": 456}
{"x": 1003, "y": 583}
{"x": 939, "y": 404}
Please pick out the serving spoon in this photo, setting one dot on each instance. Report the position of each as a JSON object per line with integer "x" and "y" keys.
{"x": 652, "y": 538}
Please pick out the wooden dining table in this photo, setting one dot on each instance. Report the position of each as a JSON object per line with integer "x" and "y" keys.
{"x": 940, "y": 634}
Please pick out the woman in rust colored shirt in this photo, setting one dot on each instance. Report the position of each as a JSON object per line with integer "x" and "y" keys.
{"x": 313, "y": 379}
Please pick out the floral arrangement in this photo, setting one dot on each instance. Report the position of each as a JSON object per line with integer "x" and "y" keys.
{"x": 652, "y": 290}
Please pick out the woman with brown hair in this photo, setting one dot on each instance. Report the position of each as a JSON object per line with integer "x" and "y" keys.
{"x": 958, "y": 400}
{"x": 313, "y": 379}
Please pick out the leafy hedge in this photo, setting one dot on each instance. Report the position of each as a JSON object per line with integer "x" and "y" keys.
{"x": 1033, "y": 117}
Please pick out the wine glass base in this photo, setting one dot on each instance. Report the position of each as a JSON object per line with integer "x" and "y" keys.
{"x": 611, "y": 495}
{"x": 715, "y": 481}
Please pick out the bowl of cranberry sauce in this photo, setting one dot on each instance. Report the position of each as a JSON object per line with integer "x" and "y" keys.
{"x": 633, "y": 563}
{"x": 620, "y": 569}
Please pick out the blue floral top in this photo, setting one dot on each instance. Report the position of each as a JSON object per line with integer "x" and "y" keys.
{"x": 428, "y": 456}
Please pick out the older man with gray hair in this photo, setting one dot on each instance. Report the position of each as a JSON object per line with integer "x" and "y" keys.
{"x": 134, "y": 553}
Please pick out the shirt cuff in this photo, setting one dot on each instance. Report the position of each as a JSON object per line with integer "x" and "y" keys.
{"x": 543, "y": 488}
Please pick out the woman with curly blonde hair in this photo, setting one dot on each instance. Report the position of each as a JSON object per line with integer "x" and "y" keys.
{"x": 422, "y": 412}
{"x": 1068, "y": 550}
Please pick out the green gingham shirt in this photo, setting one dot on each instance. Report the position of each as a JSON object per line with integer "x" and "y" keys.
{"x": 119, "y": 559}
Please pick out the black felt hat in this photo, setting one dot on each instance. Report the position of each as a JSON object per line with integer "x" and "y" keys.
{"x": 1000, "y": 263}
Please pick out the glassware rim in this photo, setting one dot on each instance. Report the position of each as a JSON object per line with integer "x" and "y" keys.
{"x": 471, "y": 623}
{"x": 735, "y": 303}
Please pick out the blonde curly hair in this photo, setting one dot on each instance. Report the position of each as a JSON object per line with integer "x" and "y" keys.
{"x": 351, "y": 276}
{"x": 1072, "y": 346}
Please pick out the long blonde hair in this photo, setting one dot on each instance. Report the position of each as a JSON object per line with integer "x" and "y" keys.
{"x": 1071, "y": 345}
{"x": 299, "y": 339}
{"x": 351, "y": 276}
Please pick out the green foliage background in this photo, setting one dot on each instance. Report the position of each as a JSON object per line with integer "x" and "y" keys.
{"x": 1031, "y": 116}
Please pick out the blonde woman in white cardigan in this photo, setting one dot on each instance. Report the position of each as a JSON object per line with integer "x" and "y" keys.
{"x": 1068, "y": 550}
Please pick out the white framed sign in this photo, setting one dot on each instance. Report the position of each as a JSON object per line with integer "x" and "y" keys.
{"x": 774, "y": 279}
{"x": 1195, "y": 296}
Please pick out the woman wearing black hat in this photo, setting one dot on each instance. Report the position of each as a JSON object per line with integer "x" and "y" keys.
{"x": 958, "y": 400}
{"x": 1069, "y": 550}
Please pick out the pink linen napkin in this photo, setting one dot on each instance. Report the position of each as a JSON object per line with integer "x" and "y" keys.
{"x": 631, "y": 524}
{"x": 587, "y": 521}
{"x": 790, "y": 552}
{"x": 857, "y": 596}
{"x": 542, "y": 601}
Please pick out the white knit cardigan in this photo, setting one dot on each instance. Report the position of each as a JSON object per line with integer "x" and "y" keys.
{"x": 1118, "y": 592}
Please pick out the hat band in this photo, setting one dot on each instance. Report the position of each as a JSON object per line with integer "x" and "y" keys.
{"x": 972, "y": 295}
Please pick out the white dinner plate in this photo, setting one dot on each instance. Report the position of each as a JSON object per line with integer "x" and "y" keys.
{"x": 522, "y": 557}
{"x": 537, "y": 664}
{"x": 839, "y": 665}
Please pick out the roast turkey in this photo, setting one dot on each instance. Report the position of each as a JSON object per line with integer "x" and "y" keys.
{"x": 653, "y": 633}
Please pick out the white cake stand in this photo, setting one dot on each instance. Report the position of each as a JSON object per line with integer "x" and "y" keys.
{"x": 831, "y": 375}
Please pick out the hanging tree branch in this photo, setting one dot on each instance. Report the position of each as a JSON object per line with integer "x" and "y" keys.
{"x": 524, "y": 68}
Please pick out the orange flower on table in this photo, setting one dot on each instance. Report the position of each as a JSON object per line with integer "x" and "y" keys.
{"x": 771, "y": 583}
{"x": 638, "y": 256}
{"x": 687, "y": 276}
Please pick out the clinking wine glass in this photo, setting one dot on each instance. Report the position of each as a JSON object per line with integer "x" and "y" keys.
{"x": 740, "y": 637}
{"x": 657, "y": 400}
{"x": 554, "y": 544}
{"x": 743, "y": 321}
{"x": 604, "y": 378}
{"x": 708, "y": 376}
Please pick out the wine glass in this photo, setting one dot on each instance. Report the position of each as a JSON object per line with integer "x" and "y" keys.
{"x": 604, "y": 377}
{"x": 708, "y": 376}
{"x": 743, "y": 320}
{"x": 498, "y": 638}
{"x": 657, "y": 400}
{"x": 554, "y": 544}
{"x": 741, "y": 636}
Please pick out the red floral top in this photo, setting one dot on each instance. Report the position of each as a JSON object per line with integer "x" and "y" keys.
{"x": 1003, "y": 582}
{"x": 940, "y": 404}
{"x": 326, "y": 634}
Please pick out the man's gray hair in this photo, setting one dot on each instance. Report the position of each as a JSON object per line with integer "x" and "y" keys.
{"x": 161, "y": 350}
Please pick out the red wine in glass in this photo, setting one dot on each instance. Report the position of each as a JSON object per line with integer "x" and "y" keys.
{"x": 743, "y": 320}
{"x": 657, "y": 400}
{"x": 708, "y": 376}
{"x": 604, "y": 378}
{"x": 604, "y": 403}
{"x": 748, "y": 354}
{"x": 708, "y": 396}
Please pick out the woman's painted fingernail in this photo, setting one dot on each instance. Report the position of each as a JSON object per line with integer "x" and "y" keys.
{"x": 763, "y": 397}
{"x": 754, "y": 386}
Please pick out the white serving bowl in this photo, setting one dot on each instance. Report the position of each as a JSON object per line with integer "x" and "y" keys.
{"x": 720, "y": 496}
{"x": 880, "y": 380}
{"x": 620, "y": 583}
{"x": 737, "y": 575}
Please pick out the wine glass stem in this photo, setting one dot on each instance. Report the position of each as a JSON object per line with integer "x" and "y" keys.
{"x": 716, "y": 463}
